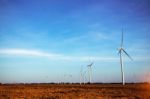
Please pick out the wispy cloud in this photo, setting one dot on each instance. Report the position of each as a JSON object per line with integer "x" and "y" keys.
{"x": 99, "y": 35}
{"x": 90, "y": 36}
{"x": 142, "y": 58}
{"x": 25, "y": 52}
{"x": 55, "y": 56}
{"x": 52, "y": 56}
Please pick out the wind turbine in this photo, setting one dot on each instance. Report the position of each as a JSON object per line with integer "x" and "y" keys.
{"x": 90, "y": 71}
{"x": 84, "y": 77}
{"x": 81, "y": 75}
{"x": 121, "y": 51}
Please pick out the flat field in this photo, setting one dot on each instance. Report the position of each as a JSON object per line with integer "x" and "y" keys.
{"x": 74, "y": 91}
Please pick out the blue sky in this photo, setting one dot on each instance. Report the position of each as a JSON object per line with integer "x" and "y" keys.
{"x": 46, "y": 41}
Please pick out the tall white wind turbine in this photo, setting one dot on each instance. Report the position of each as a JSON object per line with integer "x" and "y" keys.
{"x": 90, "y": 71}
{"x": 121, "y": 51}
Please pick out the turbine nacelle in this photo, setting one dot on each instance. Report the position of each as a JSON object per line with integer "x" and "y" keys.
{"x": 90, "y": 65}
{"x": 120, "y": 48}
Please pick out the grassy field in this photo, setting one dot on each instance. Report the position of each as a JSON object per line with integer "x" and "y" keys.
{"x": 74, "y": 91}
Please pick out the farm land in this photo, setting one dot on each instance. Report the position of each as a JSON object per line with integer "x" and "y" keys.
{"x": 75, "y": 91}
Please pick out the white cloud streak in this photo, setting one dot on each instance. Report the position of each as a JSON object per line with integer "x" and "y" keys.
{"x": 25, "y": 52}
{"x": 52, "y": 56}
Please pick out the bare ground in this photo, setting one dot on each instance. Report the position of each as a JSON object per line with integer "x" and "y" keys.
{"x": 74, "y": 91}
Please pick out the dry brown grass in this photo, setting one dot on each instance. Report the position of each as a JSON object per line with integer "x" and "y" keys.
{"x": 74, "y": 91}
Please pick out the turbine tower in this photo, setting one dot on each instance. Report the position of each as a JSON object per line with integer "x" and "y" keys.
{"x": 90, "y": 71}
{"x": 121, "y": 51}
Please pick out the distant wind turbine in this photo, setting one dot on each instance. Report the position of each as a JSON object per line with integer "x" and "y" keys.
{"x": 84, "y": 77}
{"x": 90, "y": 71}
{"x": 121, "y": 50}
{"x": 81, "y": 75}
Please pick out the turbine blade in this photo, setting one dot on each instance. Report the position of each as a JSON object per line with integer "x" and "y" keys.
{"x": 122, "y": 39}
{"x": 127, "y": 54}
